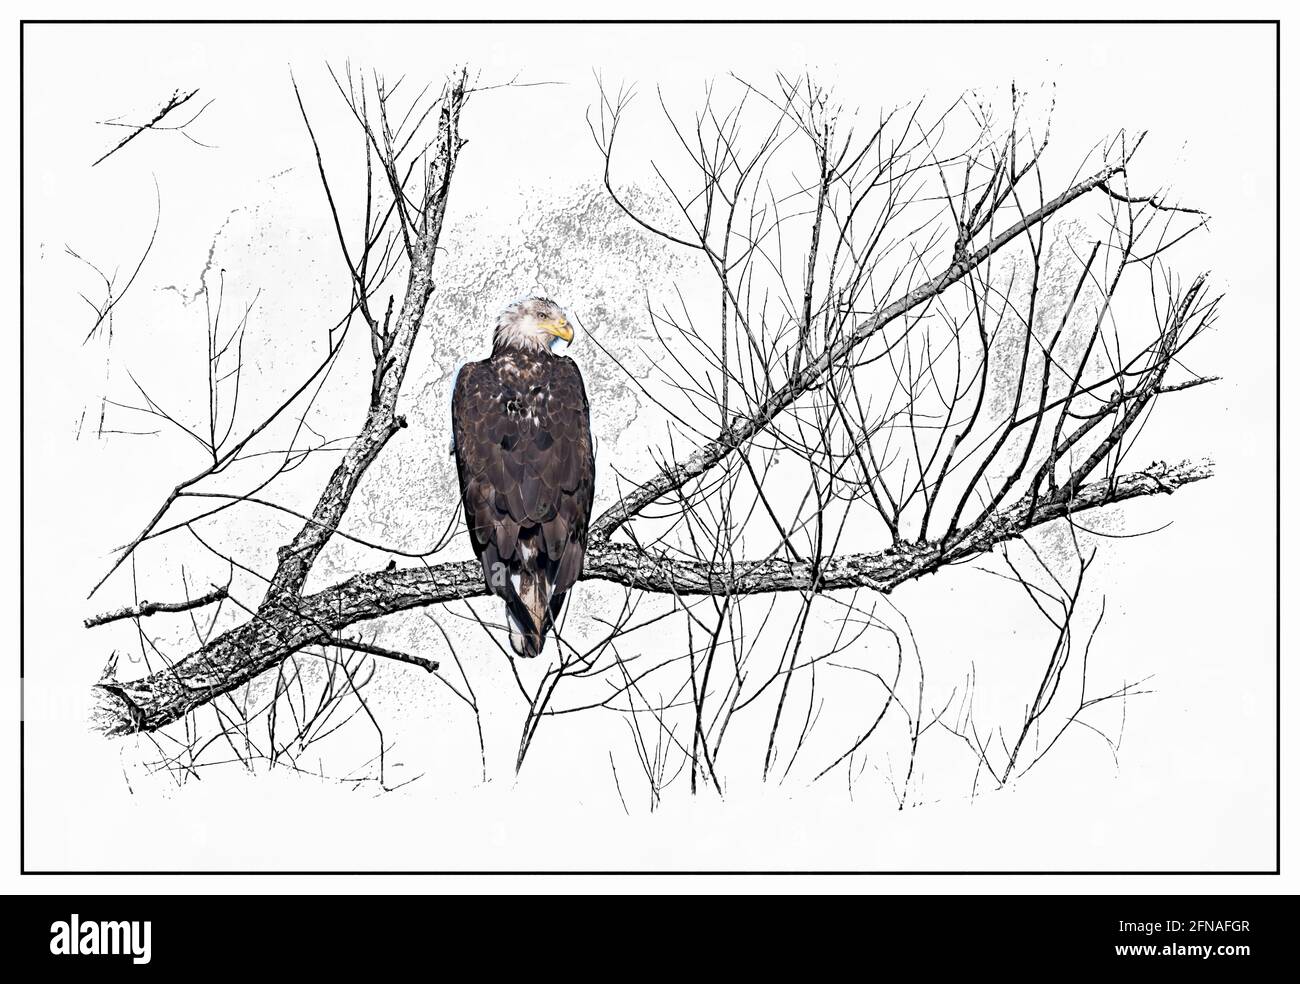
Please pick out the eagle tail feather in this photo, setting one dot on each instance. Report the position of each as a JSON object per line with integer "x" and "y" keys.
{"x": 529, "y": 616}
{"x": 522, "y": 640}
{"x": 529, "y": 602}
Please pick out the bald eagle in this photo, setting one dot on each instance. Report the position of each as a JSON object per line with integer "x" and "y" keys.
{"x": 521, "y": 433}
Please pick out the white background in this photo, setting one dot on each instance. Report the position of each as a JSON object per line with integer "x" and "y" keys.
{"x": 1196, "y": 787}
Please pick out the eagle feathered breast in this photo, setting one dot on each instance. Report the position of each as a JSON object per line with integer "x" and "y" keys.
{"x": 522, "y": 440}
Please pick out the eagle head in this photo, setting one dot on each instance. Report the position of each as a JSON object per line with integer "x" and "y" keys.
{"x": 536, "y": 324}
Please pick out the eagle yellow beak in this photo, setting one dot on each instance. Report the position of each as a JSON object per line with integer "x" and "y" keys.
{"x": 559, "y": 328}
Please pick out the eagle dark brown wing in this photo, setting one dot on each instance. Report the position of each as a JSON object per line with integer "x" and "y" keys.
{"x": 522, "y": 439}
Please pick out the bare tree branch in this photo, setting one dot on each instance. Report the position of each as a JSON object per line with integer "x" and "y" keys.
{"x": 382, "y": 420}
{"x": 428, "y": 665}
{"x": 176, "y": 100}
{"x": 146, "y": 608}
{"x": 744, "y": 428}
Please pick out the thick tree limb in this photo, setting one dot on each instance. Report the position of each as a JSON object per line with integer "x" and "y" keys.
{"x": 275, "y": 633}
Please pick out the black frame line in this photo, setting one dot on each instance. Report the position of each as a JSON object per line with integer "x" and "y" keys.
{"x": 1277, "y": 26}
